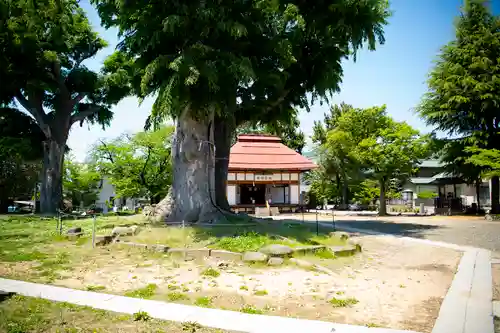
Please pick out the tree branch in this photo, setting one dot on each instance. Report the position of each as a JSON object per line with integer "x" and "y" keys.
{"x": 110, "y": 156}
{"x": 35, "y": 112}
{"x": 142, "y": 176}
{"x": 82, "y": 115}
{"x": 79, "y": 98}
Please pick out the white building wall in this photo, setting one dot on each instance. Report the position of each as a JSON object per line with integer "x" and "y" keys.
{"x": 231, "y": 194}
{"x": 294, "y": 194}
{"x": 278, "y": 194}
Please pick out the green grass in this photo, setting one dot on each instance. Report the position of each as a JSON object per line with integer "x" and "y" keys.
{"x": 176, "y": 296}
{"x": 145, "y": 292}
{"x": 211, "y": 272}
{"x": 244, "y": 288}
{"x": 204, "y": 301}
{"x": 343, "y": 302}
{"x": 95, "y": 288}
{"x": 251, "y": 309}
{"x": 260, "y": 293}
{"x": 21, "y": 314}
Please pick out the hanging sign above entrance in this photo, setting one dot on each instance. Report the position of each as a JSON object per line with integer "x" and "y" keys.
{"x": 263, "y": 177}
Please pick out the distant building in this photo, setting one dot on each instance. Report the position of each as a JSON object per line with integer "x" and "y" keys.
{"x": 262, "y": 169}
{"x": 107, "y": 198}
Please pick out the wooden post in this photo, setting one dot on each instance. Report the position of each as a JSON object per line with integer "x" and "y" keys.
{"x": 93, "y": 230}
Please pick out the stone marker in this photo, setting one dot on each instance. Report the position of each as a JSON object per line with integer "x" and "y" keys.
{"x": 275, "y": 261}
{"x": 254, "y": 257}
{"x": 276, "y": 250}
{"x": 103, "y": 240}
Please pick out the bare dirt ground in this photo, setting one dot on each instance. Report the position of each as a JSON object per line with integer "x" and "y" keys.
{"x": 393, "y": 283}
{"x": 495, "y": 270}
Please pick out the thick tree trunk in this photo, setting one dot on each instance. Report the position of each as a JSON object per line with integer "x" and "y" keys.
{"x": 382, "y": 206}
{"x": 495, "y": 195}
{"x": 224, "y": 130}
{"x": 345, "y": 193}
{"x": 192, "y": 195}
{"x": 51, "y": 189}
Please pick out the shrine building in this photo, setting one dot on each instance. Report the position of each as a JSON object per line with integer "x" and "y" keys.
{"x": 262, "y": 169}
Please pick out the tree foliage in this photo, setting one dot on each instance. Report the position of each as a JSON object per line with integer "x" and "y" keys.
{"x": 20, "y": 155}
{"x": 139, "y": 165}
{"x": 463, "y": 98}
{"x": 288, "y": 130}
{"x": 43, "y": 48}
{"x": 81, "y": 183}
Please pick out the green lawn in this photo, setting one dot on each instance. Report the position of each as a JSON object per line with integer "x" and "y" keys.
{"x": 24, "y": 314}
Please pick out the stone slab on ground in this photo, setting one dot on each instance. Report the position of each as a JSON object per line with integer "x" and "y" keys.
{"x": 222, "y": 319}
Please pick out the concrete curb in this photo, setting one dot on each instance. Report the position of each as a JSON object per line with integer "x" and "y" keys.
{"x": 221, "y": 319}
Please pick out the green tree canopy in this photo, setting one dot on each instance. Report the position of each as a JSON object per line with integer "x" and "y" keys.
{"x": 81, "y": 183}
{"x": 43, "y": 48}
{"x": 463, "y": 98}
{"x": 237, "y": 61}
{"x": 139, "y": 165}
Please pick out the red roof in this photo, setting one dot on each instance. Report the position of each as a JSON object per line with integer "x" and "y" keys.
{"x": 265, "y": 152}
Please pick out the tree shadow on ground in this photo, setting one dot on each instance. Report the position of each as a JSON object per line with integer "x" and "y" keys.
{"x": 415, "y": 230}
{"x": 5, "y": 295}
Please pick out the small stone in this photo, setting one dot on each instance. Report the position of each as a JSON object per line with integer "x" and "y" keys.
{"x": 254, "y": 257}
{"x": 124, "y": 231}
{"x": 76, "y": 230}
{"x": 302, "y": 263}
{"x": 275, "y": 261}
{"x": 103, "y": 240}
{"x": 277, "y": 250}
{"x": 339, "y": 234}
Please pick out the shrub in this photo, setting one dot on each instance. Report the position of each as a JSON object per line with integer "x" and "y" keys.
{"x": 211, "y": 272}
{"x": 141, "y": 316}
{"x": 204, "y": 301}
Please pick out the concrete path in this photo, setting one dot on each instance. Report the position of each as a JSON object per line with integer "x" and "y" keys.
{"x": 222, "y": 319}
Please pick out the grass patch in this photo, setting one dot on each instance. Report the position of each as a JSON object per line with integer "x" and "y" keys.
{"x": 260, "y": 293}
{"x": 324, "y": 254}
{"x": 176, "y": 296}
{"x": 95, "y": 288}
{"x": 211, "y": 272}
{"x": 373, "y": 325}
{"x": 251, "y": 309}
{"x": 21, "y": 314}
{"x": 244, "y": 288}
{"x": 343, "y": 302}
{"x": 146, "y": 292}
{"x": 204, "y": 301}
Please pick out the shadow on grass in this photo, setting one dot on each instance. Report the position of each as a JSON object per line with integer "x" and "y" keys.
{"x": 5, "y": 295}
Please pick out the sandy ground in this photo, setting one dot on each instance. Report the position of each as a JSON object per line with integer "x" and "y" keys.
{"x": 495, "y": 270}
{"x": 397, "y": 283}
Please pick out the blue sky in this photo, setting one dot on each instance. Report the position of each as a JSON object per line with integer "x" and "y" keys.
{"x": 394, "y": 74}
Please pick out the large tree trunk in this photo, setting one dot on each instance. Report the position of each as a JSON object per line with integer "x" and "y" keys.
{"x": 382, "y": 206}
{"x": 192, "y": 195}
{"x": 478, "y": 193}
{"x": 51, "y": 189}
{"x": 495, "y": 195}
{"x": 224, "y": 129}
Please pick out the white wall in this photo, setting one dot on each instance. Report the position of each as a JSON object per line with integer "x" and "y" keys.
{"x": 231, "y": 194}
{"x": 107, "y": 191}
{"x": 294, "y": 194}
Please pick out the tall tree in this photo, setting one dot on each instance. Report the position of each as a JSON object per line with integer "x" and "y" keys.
{"x": 392, "y": 152}
{"x": 43, "y": 45}
{"x": 218, "y": 62}
{"x": 463, "y": 98}
{"x": 138, "y": 165}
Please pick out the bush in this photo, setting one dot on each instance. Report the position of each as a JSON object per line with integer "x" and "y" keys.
{"x": 427, "y": 195}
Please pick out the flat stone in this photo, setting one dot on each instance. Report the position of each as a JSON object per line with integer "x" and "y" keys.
{"x": 124, "y": 231}
{"x": 275, "y": 261}
{"x": 225, "y": 255}
{"x": 254, "y": 257}
{"x": 103, "y": 240}
{"x": 161, "y": 248}
{"x": 346, "y": 250}
{"x": 274, "y": 250}
{"x": 75, "y": 230}
{"x": 339, "y": 234}
{"x": 74, "y": 236}
{"x": 302, "y": 263}
{"x": 190, "y": 254}
{"x": 308, "y": 249}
